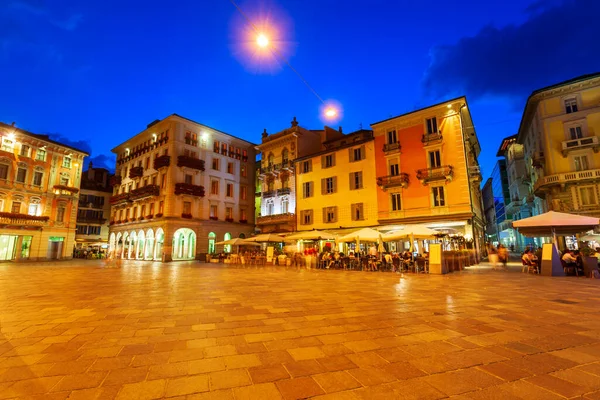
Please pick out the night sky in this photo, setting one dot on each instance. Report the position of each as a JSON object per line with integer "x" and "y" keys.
{"x": 94, "y": 73}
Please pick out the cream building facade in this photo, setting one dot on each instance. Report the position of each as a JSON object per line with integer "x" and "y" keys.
{"x": 336, "y": 186}
{"x": 39, "y": 192}
{"x": 559, "y": 131}
{"x": 180, "y": 187}
{"x": 277, "y": 175}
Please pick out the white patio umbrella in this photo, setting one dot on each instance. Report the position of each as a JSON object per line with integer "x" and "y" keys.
{"x": 590, "y": 238}
{"x": 415, "y": 231}
{"x": 312, "y": 235}
{"x": 266, "y": 238}
{"x": 237, "y": 242}
{"x": 363, "y": 235}
{"x": 555, "y": 223}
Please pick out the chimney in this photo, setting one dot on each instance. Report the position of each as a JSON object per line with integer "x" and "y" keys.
{"x": 340, "y": 129}
{"x": 265, "y": 134}
{"x": 13, "y": 124}
{"x": 294, "y": 123}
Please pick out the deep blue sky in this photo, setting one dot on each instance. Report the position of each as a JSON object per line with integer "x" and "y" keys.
{"x": 99, "y": 71}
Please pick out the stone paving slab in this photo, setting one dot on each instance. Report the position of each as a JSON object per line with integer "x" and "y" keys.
{"x": 81, "y": 330}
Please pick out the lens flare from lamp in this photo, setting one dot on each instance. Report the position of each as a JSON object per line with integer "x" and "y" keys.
{"x": 262, "y": 40}
{"x": 331, "y": 111}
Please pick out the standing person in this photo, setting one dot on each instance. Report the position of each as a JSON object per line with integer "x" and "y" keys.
{"x": 493, "y": 256}
{"x": 503, "y": 255}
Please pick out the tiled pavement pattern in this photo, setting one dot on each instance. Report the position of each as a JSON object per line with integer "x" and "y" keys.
{"x": 192, "y": 331}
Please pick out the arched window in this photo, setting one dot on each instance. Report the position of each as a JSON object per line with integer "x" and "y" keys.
{"x": 285, "y": 205}
{"x": 34, "y": 206}
{"x": 270, "y": 160}
{"x": 211, "y": 242}
{"x": 270, "y": 208}
{"x": 285, "y": 154}
{"x": 227, "y": 247}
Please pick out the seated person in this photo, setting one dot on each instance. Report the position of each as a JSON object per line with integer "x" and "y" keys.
{"x": 569, "y": 257}
{"x": 528, "y": 258}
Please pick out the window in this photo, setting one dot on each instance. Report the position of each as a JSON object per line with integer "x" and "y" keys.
{"x": 229, "y": 212}
{"x": 356, "y": 180}
{"x": 581, "y": 163}
{"x": 21, "y": 174}
{"x": 230, "y": 168}
{"x": 285, "y": 156}
{"x": 435, "y": 159}
{"x": 161, "y": 207}
{"x": 306, "y": 217}
{"x": 214, "y": 211}
{"x": 270, "y": 209}
{"x": 329, "y": 214}
{"x": 576, "y": 132}
{"x": 214, "y": 187}
{"x": 215, "y": 164}
{"x": 7, "y": 144}
{"x": 163, "y": 181}
{"x": 1, "y": 205}
{"x": 151, "y": 208}
{"x": 16, "y": 207}
{"x": 357, "y": 154}
{"x": 143, "y": 210}
{"x": 396, "y": 202}
{"x": 147, "y": 162}
{"x": 40, "y": 155}
{"x": 570, "y": 106}
{"x": 229, "y": 190}
{"x": 357, "y": 212}
{"x": 154, "y": 180}
{"x": 285, "y": 204}
{"x": 3, "y": 171}
{"x": 285, "y": 182}
{"x": 438, "y": 196}
{"x": 64, "y": 180}
{"x": 67, "y": 162}
{"x": 243, "y": 171}
{"x": 587, "y": 196}
{"x": 394, "y": 169}
{"x": 243, "y": 192}
{"x": 37, "y": 178}
{"x": 25, "y": 150}
{"x": 243, "y": 216}
{"x": 60, "y": 214}
{"x": 432, "y": 127}
{"x": 270, "y": 160}
{"x": 391, "y": 137}
{"x": 306, "y": 166}
{"x": 216, "y": 147}
{"x": 187, "y": 207}
{"x": 188, "y": 179}
{"x": 307, "y": 189}
{"x": 328, "y": 161}
{"x": 224, "y": 149}
{"x": 328, "y": 185}
{"x": 270, "y": 186}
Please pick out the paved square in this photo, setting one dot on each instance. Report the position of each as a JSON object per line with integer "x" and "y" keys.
{"x": 194, "y": 331}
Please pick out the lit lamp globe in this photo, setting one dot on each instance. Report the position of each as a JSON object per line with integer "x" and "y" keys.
{"x": 262, "y": 40}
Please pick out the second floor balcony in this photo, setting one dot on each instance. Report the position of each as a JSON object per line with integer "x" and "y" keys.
{"x": 190, "y": 162}
{"x": 443, "y": 173}
{"x": 581, "y": 143}
{"x": 276, "y": 219}
{"x": 136, "y": 172}
{"x": 283, "y": 191}
{"x": 17, "y": 219}
{"x": 120, "y": 199}
{"x": 543, "y": 184}
{"x": 162, "y": 162}
{"x": 144, "y": 192}
{"x": 65, "y": 190}
{"x": 268, "y": 194}
{"x": 390, "y": 147}
{"x": 115, "y": 180}
{"x": 432, "y": 138}
{"x": 189, "y": 189}
{"x": 400, "y": 180}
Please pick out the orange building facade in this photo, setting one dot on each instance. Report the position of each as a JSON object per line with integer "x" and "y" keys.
{"x": 428, "y": 173}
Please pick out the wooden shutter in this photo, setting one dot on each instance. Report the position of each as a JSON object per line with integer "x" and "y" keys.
{"x": 334, "y": 184}
{"x": 323, "y": 161}
{"x": 351, "y": 154}
{"x": 353, "y": 212}
{"x": 363, "y": 152}
{"x": 333, "y": 160}
{"x": 360, "y": 180}
{"x": 309, "y": 165}
{"x": 311, "y": 189}
{"x": 324, "y": 186}
{"x": 351, "y": 181}
{"x": 361, "y": 211}
{"x": 324, "y": 214}
{"x": 304, "y": 190}
{"x": 335, "y": 216}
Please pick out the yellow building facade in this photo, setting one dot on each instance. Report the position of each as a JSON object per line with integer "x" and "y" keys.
{"x": 559, "y": 131}
{"x": 336, "y": 186}
{"x": 39, "y": 192}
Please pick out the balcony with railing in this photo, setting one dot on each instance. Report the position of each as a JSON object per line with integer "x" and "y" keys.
{"x": 144, "y": 192}
{"x": 65, "y": 190}
{"x": 581, "y": 143}
{"x": 400, "y": 180}
{"x": 432, "y": 138}
{"x": 189, "y": 189}
{"x": 115, "y": 180}
{"x": 276, "y": 219}
{"x": 389, "y": 147}
{"x": 136, "y": 172}
{"x": 542, "y": 184}
{"x": 17, "y": 219}
{"x": 287, "y": 165}
{"x": 537, "y": 160}
{"x": 427, "y": 175}
{"x": 120, "y": 199}
{"x": 190, "y": 162}
{"x": 162, "y": 162}
{"x": 283, "y": 191}
{"x": 268, "y": 194}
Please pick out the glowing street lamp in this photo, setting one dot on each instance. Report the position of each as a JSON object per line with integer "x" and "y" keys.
{"x": 330, "y": 112}
{"x": 262, "y": 40}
